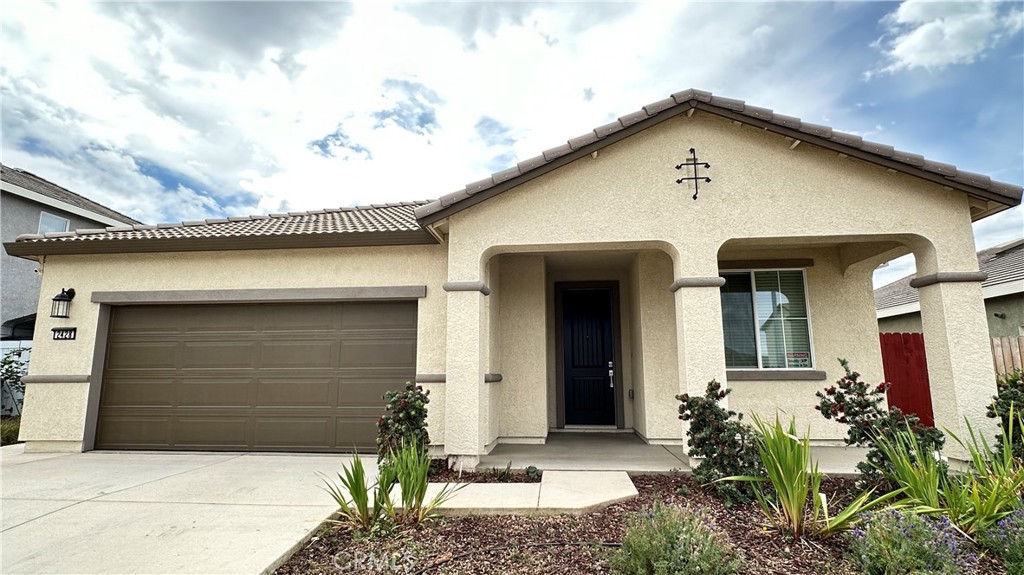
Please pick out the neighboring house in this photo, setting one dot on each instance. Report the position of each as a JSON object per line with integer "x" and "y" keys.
{"x": 899, "y": 310}
{"x": 583, "y": 289}
{"x": 32, "y": 205}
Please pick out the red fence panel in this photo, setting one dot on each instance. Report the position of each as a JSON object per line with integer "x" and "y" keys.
{"x": 906, "y": 368}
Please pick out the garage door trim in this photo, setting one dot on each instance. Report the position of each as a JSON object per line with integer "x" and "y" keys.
{"x": 285, "y": 295}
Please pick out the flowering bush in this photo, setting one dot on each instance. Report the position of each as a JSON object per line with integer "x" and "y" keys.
{"x": 1006, "y": 539}
{"x": 1010, "y": 393}
{"x": 405, "y": 422}
{"x": 723, "y": 440}
{"x": 894, "y": 541}
{"x": 860, "y": 406}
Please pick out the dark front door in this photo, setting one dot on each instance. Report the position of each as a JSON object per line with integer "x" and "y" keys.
{"x": 588, "y": 356}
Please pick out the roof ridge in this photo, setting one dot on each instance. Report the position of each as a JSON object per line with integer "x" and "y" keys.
{"x": 690, "y": 99}
{"x": 56, "y": 185}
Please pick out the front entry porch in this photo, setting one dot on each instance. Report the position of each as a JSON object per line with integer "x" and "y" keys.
{"x": 589, "y": 451}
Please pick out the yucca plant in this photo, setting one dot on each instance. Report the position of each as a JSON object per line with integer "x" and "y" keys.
{"x": 361, "y": 505}
{"x": 973, "y": 500}
{"x": 798, "y": 506}
{"x": 410, "y": 464}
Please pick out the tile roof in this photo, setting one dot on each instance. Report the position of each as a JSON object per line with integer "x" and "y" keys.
{"x": 34, "y": 183}
{"x": 395, "y": 218}
{"x": 1003, "y": 264}
{"x": 679, "y": 102}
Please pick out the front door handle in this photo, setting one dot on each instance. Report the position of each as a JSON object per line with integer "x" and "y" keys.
{"x": 611, "y": 377}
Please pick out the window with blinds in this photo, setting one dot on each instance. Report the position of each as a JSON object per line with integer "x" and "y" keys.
{"x": 765, "y": 320}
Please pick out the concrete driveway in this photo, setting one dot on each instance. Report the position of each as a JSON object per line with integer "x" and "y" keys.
{"x": 107, "y": 512}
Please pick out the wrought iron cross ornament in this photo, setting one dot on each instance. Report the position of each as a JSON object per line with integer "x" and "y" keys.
{"x": 696, "y": 177}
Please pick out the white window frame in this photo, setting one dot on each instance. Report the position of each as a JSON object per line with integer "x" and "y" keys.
{"x": 67, "y": 222}
{"x": 757, "y": 335}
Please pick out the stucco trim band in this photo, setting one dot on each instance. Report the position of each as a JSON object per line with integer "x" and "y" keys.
{"x": 77, "y": 378}
{"x": 467, "y": 286}
{"x": 260, "y": 295}
{"x": 696, "y": 282}
{"x": 430, "y": 378}
{"x": 492, "y": 378}
{"x": 948, "y": 277}
{"x": 775, "y": 375}
{"x": 765, "y": 264}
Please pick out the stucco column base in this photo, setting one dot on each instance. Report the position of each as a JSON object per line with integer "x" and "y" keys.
{"x": 463, "y": 462}
{"x": 37, "y": 446}
{"x": 959, "y": 356}
{"x": 701, "y": 343}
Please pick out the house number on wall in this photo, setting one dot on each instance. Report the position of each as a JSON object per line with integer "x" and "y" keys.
{"x": 65, "y": 332}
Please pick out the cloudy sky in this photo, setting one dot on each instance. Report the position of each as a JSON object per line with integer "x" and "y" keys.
{"x": 171, "y": 111}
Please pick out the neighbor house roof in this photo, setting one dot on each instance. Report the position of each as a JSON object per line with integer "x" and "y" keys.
{"x": 33, "y": 183}
{"x": 378, "y": 224}
{"x": 977, "y": 185}
{"x": 1004, "y": 265}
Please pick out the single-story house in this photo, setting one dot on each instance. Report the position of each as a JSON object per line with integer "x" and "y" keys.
{"x": 697, "y": 238}
{"x": 899, "y": 310}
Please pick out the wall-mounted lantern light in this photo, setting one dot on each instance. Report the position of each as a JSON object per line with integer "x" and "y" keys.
{"x": 62, "y": 303}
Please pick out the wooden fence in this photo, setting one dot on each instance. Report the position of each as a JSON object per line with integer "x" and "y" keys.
{"x": 1007, "y": 353}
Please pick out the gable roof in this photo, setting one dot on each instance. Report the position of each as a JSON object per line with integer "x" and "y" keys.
{"x": 378, "y": 224}
{"x": 977, "y": 185}
{"x": 1004, "y": 265}
{"x": 33, "y": 183}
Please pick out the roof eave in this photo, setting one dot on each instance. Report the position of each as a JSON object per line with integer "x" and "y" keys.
{"x": 468, "y": 197}
{"x": 32, "y": 249}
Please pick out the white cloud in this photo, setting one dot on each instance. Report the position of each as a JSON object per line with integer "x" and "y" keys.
{"x": 935, "y": 35}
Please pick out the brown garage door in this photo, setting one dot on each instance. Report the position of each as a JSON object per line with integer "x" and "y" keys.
{"x": 254, "y": 377}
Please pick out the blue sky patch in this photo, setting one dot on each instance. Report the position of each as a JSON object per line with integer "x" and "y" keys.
{"x": 339, "y": 140}
{"x": 416, "y": 109}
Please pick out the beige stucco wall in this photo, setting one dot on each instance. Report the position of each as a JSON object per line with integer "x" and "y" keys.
{"x": 56, "y": 411}
{"x": 1009, "y": 306}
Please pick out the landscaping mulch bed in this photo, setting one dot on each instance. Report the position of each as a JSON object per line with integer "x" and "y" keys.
{"x": 439, "y": 473}
{"x": 568, "y": 544}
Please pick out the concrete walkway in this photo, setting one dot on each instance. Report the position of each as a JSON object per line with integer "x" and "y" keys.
{"x": 106, "y": 512}
{"x": 589, "y": 452}
{"x": 558, "y": 492}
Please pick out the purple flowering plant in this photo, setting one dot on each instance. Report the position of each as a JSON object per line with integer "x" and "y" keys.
{"x": 901, "y": 541}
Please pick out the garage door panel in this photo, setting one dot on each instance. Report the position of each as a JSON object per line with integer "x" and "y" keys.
{"x": 211, "y": 431}
{"x": 384, "y": 353}
{"x": 129, "y": 391}
{"x": 128, "y": 432}
{"x": 293, "y": 431}
{"x": 295, "y": 392}
{"x": 219, "y": 354}
{"x": 214, "y": 392}
{"x": 278, "y": 377}
{"x": 379, "y": 315}
{"x": 297, "y": 354}
{"x": 122, "y": 355}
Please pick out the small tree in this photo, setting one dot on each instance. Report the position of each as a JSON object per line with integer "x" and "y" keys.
{"x": 405, "y": 421}
{"x": 859, "y": 406}
{"x": 12, "y": 369}
{"x": 720, "y": 437}
{"x": 1009, "y": 392}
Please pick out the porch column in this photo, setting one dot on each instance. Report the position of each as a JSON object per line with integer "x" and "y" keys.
{"x": 699, "y": 334}
{"x": 464, "y": 373}
{"x": 958, "y": 348}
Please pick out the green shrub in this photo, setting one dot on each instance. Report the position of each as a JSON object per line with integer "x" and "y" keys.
{"x": 895, "y": 542}
{"x": 404, "y": 422}
{"x": 723, "y": 440}
{"x": 858, "y": 405}
{"x": 9, "y": 427}
{"x": 12, "y": 370}
{"x": 1006, "y": 539}
{"x": 796, "y": 505}
{"x": 670, "y": 540}
{"x": 1010, "y": 392}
